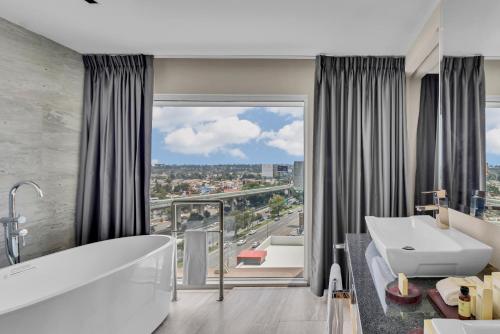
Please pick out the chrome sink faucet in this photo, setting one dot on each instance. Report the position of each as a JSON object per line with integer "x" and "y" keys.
{"x": 11, "y": 223}
{"x": 439, "y": 207}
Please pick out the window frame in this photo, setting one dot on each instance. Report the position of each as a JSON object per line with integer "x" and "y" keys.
{"x": 492, "y": 101}
{"x": 263, "y": 100}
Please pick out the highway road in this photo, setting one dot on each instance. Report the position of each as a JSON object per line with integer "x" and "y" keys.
{"x": 286, "y": 224}
{"x": 164, "y": 203}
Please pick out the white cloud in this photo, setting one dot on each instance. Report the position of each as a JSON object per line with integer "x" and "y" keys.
{"x": 289, "y": 138}
{"x": 493, "y": 141}
{"x": 492, "y": 118}
{"x": 237, "y": 153}
{"x": 207, "y": 130}
{"x": 212, "y": 137}
{"x": 492, "y": 130}
{"x": 295, "y": 112}
{"x": 154, "y": 162}
{"x": 167, "y": 119}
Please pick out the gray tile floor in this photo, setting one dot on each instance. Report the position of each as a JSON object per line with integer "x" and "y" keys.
{"x": 247, "y": 310}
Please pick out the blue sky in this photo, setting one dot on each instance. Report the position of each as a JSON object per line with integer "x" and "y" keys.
{"x": 227, "y": 135}
{"x": 493, "y": 136}
{"x": 233, "y": 135}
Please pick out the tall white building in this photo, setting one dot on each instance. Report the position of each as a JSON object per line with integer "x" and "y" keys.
{"x": 298, "y": 174}
{"x": 267, "y": 170}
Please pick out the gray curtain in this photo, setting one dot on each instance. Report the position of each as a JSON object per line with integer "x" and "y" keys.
{"x": 115, "y": 157}
{"x": 427, "y": 139}
{"x": 463, "y": 154}
{"x": 359, "y": 163}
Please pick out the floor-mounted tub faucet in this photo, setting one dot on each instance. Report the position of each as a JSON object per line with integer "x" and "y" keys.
{"x": 11, "y": 223}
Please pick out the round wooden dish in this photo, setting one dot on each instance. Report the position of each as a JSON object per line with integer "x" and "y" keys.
{"x": 392, "y": 293}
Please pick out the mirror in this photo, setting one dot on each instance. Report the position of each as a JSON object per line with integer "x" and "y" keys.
{"x": 422, "y": 87}
{"x": 469, "y": 122}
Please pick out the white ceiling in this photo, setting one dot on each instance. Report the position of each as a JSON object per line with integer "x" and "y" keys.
{"x": 471, "y": 28}
{"x": 226, "y": 27}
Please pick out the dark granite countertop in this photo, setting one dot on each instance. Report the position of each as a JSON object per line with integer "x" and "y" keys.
{"x": 378, "y": 316}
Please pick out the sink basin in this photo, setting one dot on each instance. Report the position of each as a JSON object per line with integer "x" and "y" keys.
{"x": 417, "y": 247}
{"x": 452, "y": 326}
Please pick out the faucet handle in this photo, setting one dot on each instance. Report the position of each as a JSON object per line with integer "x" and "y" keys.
{"x": 21, "y": 219}
{"x": 440, "y": 193}
{"x": 22, "y": 234}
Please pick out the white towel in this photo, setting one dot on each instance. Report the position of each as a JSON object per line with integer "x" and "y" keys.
{"x": 449, "y": 288}
{"x": 380, "y": 272}
{"x": 381, "y": 275}
{"x": 334, "y": 312}
{"x": 195, "y": 258}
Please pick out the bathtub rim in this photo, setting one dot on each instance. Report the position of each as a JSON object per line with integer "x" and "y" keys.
{"x": 71, "y": 287}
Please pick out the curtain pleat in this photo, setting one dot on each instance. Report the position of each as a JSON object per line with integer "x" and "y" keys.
{"x": 463, "y": 154}
{"x": 359, "y": 164}
{"x": 115, "y": 157}
{"x": 426, "y": 149}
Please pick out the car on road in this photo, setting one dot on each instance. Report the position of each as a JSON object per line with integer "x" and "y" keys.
{"x": 241, "y": 242}
{"x": 255, "y": 244}
{"x": 277, "y": 219}
{"x": 252, "y": 232}
{"x": 290, "y": 212}
{"x": 226, "y": 245}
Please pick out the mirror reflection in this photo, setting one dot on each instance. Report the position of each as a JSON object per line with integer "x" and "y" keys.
{"x": 468, "y": 140}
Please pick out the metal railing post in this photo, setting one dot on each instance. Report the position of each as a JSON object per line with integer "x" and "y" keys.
{"x": 221, "y": 251}
{"x": 173, "y": 212}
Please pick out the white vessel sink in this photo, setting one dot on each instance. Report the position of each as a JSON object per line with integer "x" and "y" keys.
{"x": 417, "y": 247}
{"x": 452, "y": 326}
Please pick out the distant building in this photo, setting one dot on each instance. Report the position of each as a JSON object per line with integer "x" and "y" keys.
{"x": 275, "y": 171}
{"x": 298, "y": 174}
{"x": 267, "y": 171}
{"x": 280, "y": 171}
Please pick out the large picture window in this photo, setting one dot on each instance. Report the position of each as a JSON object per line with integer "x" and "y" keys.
{"x": 248, "y": 153}
{"x": 493, "y": 158}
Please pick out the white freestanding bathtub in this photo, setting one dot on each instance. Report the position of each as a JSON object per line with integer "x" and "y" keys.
{"x": 115, "y": 286}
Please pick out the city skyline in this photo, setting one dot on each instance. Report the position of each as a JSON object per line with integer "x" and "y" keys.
{"x": 227, "y": 135}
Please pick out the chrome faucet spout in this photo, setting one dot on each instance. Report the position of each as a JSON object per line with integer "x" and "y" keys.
{"x": 12, "y": 232}
{"x": 13, "y": 192}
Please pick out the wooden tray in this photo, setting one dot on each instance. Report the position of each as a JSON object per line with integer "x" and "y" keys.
{"x": 392, "y": 293}
{"x": 446, "y": 311}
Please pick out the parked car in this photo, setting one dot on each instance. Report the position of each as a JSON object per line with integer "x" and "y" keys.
{"x": 277, "y": 219}
{"x": 252, "y": 232}
{"x": 255, "y": 244}
{"x": 290, "y": 212}
{"x": 226, "y": 245}
{"x": 241, "y": 242}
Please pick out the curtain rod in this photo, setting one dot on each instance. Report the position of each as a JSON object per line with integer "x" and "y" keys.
{"x": 266, "y": 56}
{"x": 236, "y": 56}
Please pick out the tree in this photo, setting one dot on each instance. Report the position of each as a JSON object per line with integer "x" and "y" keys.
{"x": 243, "y": 219}
{"x": 195, "y": 216}
{"x": 206, "y": 214}
{"x": 276, "y": 204}
{"x": 493, "y": 189}
{"x": 160, "y": 191}
{"x": 251, "y": 185}
{"x": 182, "y": 187}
